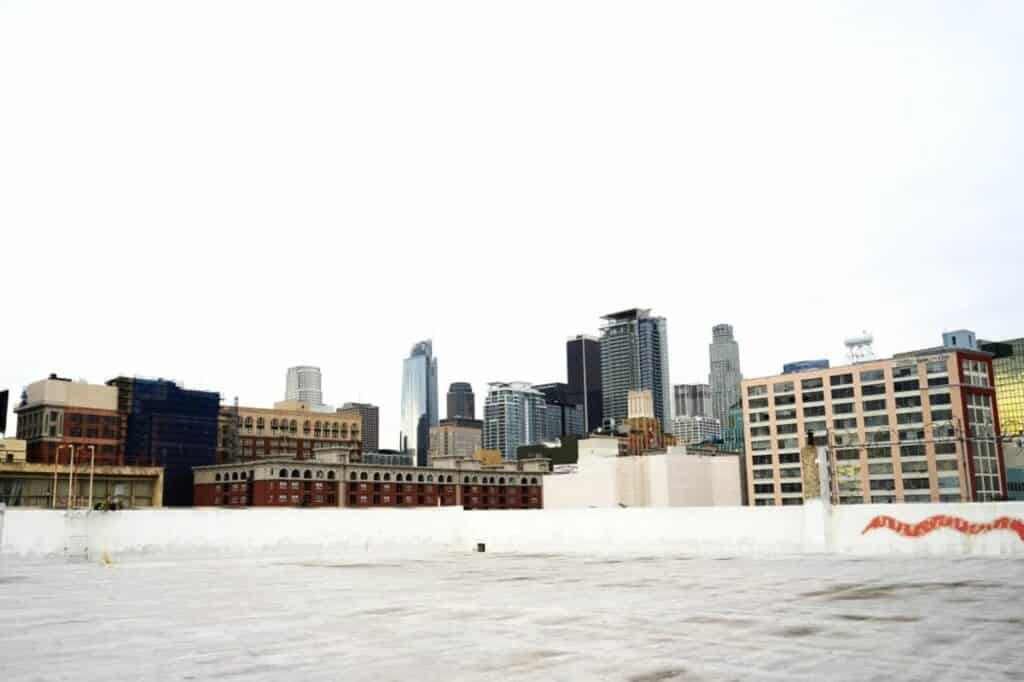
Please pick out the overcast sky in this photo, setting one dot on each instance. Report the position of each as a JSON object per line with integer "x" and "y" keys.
{"x": 213, "y": 191}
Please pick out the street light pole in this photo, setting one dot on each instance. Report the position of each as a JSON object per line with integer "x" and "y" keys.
{"x": 92, "y": 472}
{"x": 71, "y": 476}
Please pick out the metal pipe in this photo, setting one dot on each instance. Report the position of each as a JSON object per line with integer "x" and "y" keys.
{"x": 92, "y": 472}
{"x": 56, "y": 459}
{"x": 71, "y": 476}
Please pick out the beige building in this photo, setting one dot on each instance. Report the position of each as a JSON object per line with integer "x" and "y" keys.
{"x": 12, "y": 450}
{"x": 489, "y": 457}
{"x": 291, "y": 428}
{"x": 47, "y": 486}
{"x": 918, "y": 427}
{"x": 670, "y": 478}
{"x": 455, "y": 438}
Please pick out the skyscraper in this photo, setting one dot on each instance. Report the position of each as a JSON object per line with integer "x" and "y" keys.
{"x": 419, "y": 401}
{"x": 725, "y": 374}
{"x": 692, "y": 400}
{"x": 514, "y": 415}
{"x": 370, "y": 417}
{"x": 303, "y": 384}
{"x": 634, "y": 356}
{"x": 562, "y": 417}
{"x": 583, "y": 365}
{"x": 1008, "y": 373}
{"x": 461, "y": 401}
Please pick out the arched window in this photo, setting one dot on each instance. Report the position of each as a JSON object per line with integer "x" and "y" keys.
{"x": 376, "y": 476}
{"x": 344, "y": 430}
{"x": 533, "y": 481}
{"x": 465, "y": 479}
{"x": 234, "y": 476}
{"x": 362, "y": 476}
{"x": 449, "y": 479}
{"x": 273, "y": 424}
{"x": 430, "y": 478}
{"x": 284, "y": 473}
{"x": 387, "y": 477}
{"x": 307, "y": 474}
{"x": 330, "y": 475}
{"x": 248, "y": 423}
{"x": 316, "y": 429}
{"x": 243, "y": 475}
{"x": 292, "y": 426}
{"x": 353, "y": 476}
{"x": 319, "y": 474}
{"x": 305, "y": 427}
{"x": 523, "y": 482}
{"x": 260, "y": 423}
{"x": 501, "y": 481}
{"x": 217, "y": 477}
{"x": 420, "y": 478}
{"x": 334, "y": 430}
{"x": 295, "y": 473}
{"x": 398, "y": 478}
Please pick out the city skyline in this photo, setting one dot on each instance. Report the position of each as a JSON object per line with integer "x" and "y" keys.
{"x": 916, "y": 200}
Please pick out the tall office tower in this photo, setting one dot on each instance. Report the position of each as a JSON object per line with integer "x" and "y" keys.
{"x": 461, "y": 401}
{"x": 692, "y": 400}
{"x": 562, "y": 417}
{"x": 725, "y": 374}
{"x": 1008, "y": 375}
{"x": 303, "y": 384}
{"x": 583, "y": 365}
{"x": 419, "y": 401}
{"x": 370, "y": 417}
{"x": 514, "y": 415}
{"x": 634, "y": 356}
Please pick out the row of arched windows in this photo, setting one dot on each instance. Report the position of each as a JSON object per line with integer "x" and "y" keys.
{"x": 317, "y": 428}
{"x": 386, "y": 476}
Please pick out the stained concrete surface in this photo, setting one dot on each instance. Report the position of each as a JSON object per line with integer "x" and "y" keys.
{"x": 465, "y": 616}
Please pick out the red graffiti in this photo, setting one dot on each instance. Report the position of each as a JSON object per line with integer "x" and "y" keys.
{"x": 914, "y": 530}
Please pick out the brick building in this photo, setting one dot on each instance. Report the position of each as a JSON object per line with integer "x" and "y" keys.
{"x": 334, "y": 479}
{"x": 57, "y": 414}
{"x": 292, "y": 429}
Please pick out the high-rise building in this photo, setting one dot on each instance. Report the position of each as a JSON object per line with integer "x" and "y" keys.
{"x": 692, "y": 400}
{"x": 1008, "y": 369}
{"x": 725, "y": 377}
{"x": 419, "y": 401}
{"x": 583, "y": 365}
{"x": 461, "y": 401}
{"x": 562, "y": 417}
{"x": 732, "y": 430}
{"x": 917, "y": 427}
{"x": 514, "y": 415}
{"x": 303, "y": 383}
{"x": 168, "y": 426}
{"x": 634, "y": 356}
{"x": 690, "y": 430}
{"x": 456, "y": 437}
{"x": 369, "y": 416}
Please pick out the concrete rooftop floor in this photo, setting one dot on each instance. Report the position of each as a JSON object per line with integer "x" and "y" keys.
{"x": 375, "y": 616}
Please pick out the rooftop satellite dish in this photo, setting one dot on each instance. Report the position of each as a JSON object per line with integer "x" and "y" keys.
{"x": 859, "y": 347}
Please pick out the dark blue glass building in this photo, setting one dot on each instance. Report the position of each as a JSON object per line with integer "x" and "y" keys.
{"x": 168, "y": 426}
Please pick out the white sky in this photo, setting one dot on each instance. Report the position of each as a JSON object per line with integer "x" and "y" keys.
{"x": 213, "y": 191}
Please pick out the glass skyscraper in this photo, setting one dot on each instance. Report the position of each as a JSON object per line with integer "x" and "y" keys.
{"x": 583, "y": 365}
{"x": 1008, "y": 372}
{"x": 634, "y": 357}
{"x": 725, "y": 374}
{"x": 419, "y": 401}
{"x": 514, "y": 415}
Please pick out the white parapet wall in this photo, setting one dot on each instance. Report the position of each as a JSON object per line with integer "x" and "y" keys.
{"x": 939, "y": 529}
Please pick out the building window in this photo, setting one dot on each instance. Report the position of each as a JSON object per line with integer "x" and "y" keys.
{"x": 757, "y": 390}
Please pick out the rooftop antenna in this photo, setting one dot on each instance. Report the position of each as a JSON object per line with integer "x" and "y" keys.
{"x": 859, "y": 347}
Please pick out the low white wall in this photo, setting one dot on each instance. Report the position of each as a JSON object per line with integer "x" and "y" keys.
{"x": 683, "y": 530}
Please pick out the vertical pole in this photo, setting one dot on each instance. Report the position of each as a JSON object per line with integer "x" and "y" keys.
{"x": 56, "y": 458}
{"x": 92, "y": 472}
{"x": 71, "y": 476}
